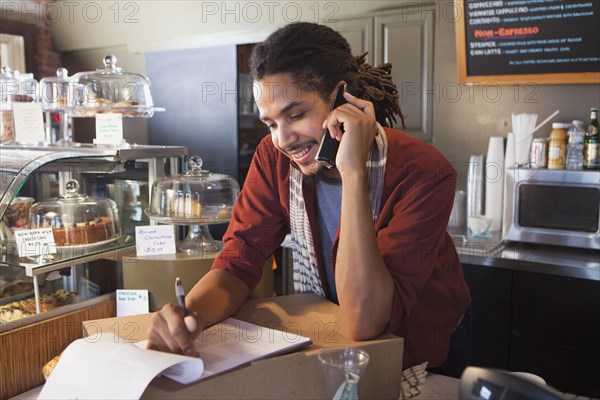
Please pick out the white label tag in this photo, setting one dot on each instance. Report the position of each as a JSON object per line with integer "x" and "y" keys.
{"x": 109, "y": 129}
{"x": 29, "y": 122}
{"x": 132, "y": 302}
{"x": 155, "y": 240}
{"x": 35, "y": 242}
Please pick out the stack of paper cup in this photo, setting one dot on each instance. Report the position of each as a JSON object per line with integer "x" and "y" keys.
{"x": 475, "y": 186}
{"x": 494, "y": 182}
{"x": 458, "y": 216}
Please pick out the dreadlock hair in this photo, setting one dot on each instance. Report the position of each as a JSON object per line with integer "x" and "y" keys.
{"x": 318, "y": 58}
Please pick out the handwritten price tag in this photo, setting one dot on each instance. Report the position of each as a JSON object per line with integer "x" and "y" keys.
{"x": 109, "y": 129}
{"x": 29, "y": 122}
{"x": 132, "y": 302}
{"x": 35, "y": 242}
{"x": 155, "y": 240}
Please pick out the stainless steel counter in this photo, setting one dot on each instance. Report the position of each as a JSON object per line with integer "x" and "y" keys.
{"x": 553, "y": 260}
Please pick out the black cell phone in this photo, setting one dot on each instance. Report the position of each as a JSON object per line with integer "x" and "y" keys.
{"x": 329, "y": 147}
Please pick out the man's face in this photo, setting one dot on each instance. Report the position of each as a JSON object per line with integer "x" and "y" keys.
{"x": 294, "y": 117}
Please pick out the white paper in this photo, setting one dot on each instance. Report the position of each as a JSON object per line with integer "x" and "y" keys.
{"x": 232, "y": 343}
{"x": 34, "y": 242}
{"x": 132, "y": 302}
{"x": 109, "y": 129}
{"x": 29, "y": 122}
{"x": 104, "y": 366}
{"x": 154, "y": 240}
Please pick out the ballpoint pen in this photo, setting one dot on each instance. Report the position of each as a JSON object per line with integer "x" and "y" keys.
{"x": 179, "y": 292}
{"x": 188, "y": 320}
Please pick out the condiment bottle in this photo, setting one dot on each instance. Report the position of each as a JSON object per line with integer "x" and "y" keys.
{"x": 575, "y": 146}
{"x": 557, "y": 145}
{"x": 591, "y": 143}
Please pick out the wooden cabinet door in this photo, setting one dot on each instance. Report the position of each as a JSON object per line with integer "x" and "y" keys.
{"x": 359, "y": 34}
{"x": 406, "y": 39}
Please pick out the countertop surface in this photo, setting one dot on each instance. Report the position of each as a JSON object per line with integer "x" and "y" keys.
{"x": 553, "y": 260}
{"x": 436, "y": 387}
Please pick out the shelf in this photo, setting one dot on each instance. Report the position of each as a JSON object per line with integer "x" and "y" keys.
{"x": 68, "y": 256}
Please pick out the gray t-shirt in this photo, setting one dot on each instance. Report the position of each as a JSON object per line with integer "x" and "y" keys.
{"x": 329, "y": 205}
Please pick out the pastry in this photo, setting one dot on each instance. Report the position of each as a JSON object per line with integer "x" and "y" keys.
{"x": 25, "y": 308}
{"x": 49, "y": 367}
{"x": 98, "y": 230}
{"x": 185, "y": 206}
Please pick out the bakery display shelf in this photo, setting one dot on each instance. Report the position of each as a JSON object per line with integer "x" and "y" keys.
{"x": 17, "y": 297}
{"x": 77, "y": 305}
{"x": 20, "y": 161}
{"x": 126, "y": 111}
{"x": 67, "y": 256}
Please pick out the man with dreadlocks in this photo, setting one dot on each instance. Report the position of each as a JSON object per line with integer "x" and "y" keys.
{"x": 368, "y": 234}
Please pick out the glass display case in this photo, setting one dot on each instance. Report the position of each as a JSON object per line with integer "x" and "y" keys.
{"x": 92, "y": 197}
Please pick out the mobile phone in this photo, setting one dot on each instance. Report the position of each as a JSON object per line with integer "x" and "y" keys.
{"x": 329, "y": 146}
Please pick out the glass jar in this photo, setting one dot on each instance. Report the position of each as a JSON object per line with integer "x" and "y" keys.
{"x": 77, "y": 219}
{"x": 14, "y": 88}
{"x": 110, "y": 90}
{"x": 54, "y": 91}
{"x": 557, "y": 145}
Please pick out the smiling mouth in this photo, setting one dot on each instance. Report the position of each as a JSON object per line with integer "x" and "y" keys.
{"x": 298, "y": 153}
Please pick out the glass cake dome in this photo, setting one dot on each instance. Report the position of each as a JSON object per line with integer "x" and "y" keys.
{"x": 110, "y": 90}
{"x": 77, "y": 219}
{"x": 197, "y": 198}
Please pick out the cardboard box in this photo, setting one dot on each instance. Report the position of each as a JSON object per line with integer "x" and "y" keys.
{"x": 151, "y": 273}
{"x": 293, "y": 375}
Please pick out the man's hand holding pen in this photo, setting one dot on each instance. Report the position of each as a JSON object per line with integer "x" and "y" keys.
{"x": 177, "y": 321}
{"x": 190, "y": 322}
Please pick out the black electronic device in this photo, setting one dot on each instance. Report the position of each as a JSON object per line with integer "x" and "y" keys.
{"x": 493, "y": 384}
{"x": 329, "y": 146}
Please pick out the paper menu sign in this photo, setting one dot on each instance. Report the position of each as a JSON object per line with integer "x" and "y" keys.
{"x": 109, "y": 129}
{"x": 105, "y": 366}
{"x": 132, "y": 302}
{"x": 28, "y": 122}
{"x": 155, "y": 240}
{"x": 34, "y": 242}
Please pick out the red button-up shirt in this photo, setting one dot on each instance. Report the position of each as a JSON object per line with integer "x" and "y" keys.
{"x": 430, "y": 293}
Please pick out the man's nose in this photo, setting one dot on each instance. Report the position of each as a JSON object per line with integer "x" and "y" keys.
{"x": 286, "y": 136}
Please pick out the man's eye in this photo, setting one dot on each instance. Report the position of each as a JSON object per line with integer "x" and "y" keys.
{"x": 271, "y": 126}
{"x": 297, "y": 116}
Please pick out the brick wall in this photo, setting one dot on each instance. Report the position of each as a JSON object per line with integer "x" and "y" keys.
{"x": 47, "y": 59}
{"x": 33, "y": 12}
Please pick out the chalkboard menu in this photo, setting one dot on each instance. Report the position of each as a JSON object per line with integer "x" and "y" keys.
{"x": 528, "y": 41}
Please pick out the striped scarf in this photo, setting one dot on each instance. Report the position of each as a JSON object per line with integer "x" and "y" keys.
{"x": 306, "y": 271}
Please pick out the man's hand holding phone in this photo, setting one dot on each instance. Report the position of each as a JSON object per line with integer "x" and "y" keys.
{"x": 353, "y": 119}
